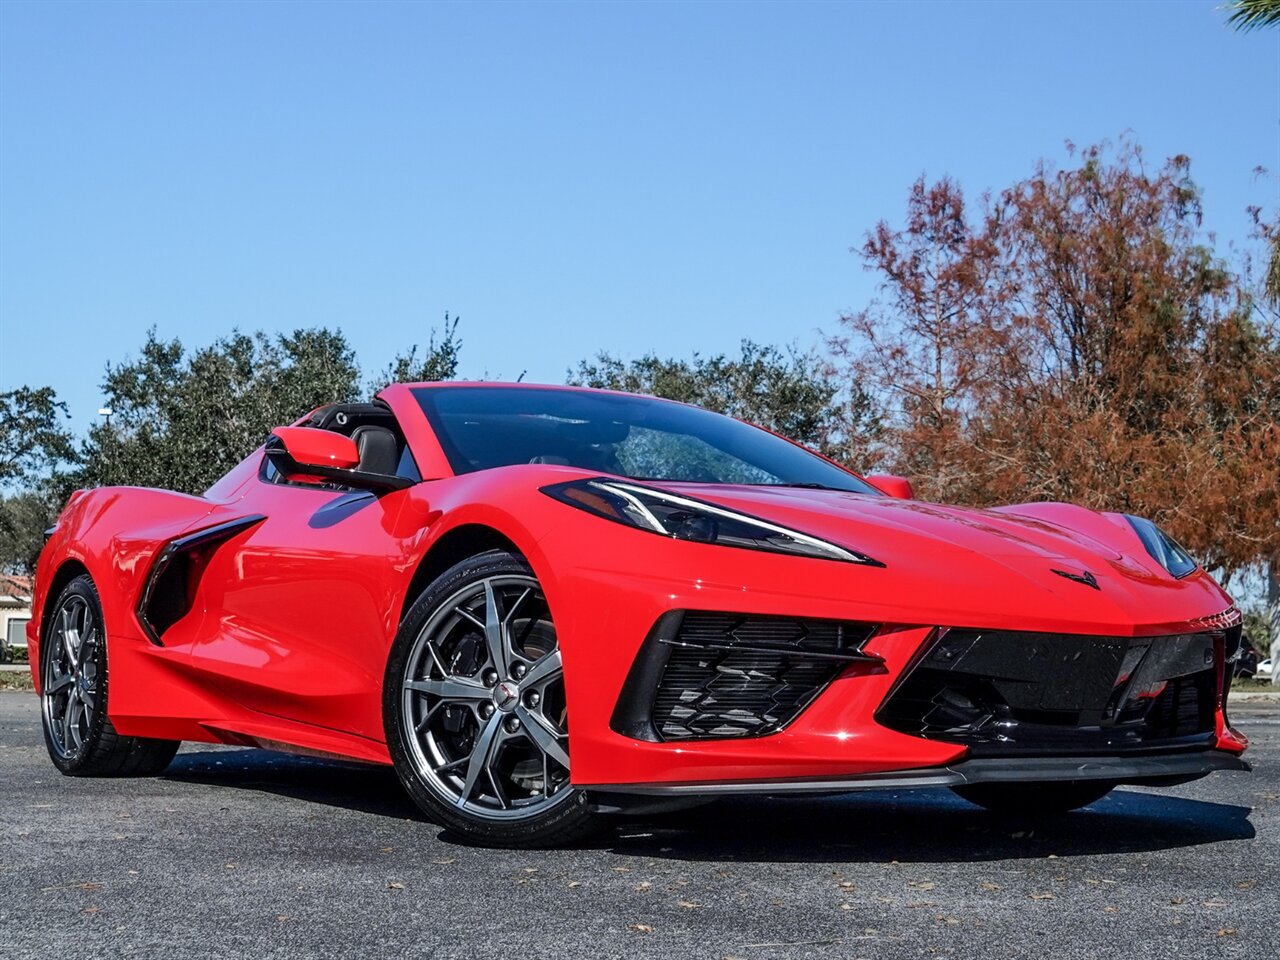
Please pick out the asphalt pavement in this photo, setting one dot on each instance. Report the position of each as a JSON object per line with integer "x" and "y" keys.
{"x": 240, "y": 853}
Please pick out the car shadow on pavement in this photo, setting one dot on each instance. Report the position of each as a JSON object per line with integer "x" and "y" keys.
{"x": 925, "y": 826}
{"x": 868, "y": 826}
{"x": 367, "y": 788}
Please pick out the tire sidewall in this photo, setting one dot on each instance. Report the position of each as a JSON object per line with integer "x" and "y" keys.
{"x": 564, "y": 817}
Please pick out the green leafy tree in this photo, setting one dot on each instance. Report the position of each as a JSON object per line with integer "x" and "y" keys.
{"x": 180, "y": 419}
{"x": 35, "y": 446}
{"x": 439, "y": 361}
{"x": 784, "y": 390}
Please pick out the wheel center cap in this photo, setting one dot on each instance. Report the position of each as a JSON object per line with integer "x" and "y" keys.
{"x": 506, "y": 695}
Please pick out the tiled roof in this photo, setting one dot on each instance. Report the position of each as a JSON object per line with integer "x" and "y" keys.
{"x": 12, "y": 585}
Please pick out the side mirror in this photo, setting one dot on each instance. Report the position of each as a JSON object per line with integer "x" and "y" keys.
{"x": 311, "y": 452}
{"x": 897, "y": 487}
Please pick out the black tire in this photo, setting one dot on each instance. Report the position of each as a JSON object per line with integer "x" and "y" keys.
{"x": 444, "y": 740}
{"x": 73, "y": 695}
{"x": 1036, "y": 799}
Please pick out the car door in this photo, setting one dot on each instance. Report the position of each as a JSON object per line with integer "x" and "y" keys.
{"x": 300, "y": 612}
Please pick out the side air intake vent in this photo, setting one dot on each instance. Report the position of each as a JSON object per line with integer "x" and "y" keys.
{"x": 704, "y": 675}
{"x": 169, "y": 590}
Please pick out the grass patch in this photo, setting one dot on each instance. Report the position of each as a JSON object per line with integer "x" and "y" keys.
{"x": 1253, "y": 683}
{"x": 16, "y": 680}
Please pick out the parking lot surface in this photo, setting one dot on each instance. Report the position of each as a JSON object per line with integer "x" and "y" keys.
{"x": 240, "y": 853}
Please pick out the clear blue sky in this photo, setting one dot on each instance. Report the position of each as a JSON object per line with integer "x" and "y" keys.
{"x": 568, "y": 178}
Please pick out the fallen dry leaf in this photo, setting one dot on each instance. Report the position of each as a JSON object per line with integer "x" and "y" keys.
{"x": 922, "y": 884}
{"x": 641, "y": 928}
{"x": 1042, "y": 896}
{"x": 988, "y": 885}
{"x": 395, "y": 885}
{"x": 690, "y": 905}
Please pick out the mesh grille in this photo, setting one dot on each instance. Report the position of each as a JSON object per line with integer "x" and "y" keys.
{"x": 730, "y": 676}
{"x": 1005, "y": 693}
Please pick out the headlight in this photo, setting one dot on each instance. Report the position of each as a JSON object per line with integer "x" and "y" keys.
{"x": 1162, "y": 547}
{"x": 682, "y": 518}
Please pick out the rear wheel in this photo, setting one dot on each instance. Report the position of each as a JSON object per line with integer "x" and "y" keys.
{"x": 475, "y": 710}
{"x": 1032, "y": 799}
{"x": 73, "y": 695}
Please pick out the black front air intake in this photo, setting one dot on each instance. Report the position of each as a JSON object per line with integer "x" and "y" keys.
{"x": 704, "y": 675}
{"x": 1005, "y": 693}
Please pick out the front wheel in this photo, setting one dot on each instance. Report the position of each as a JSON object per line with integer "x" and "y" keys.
{"x": 475, "y": 711}
{"x": 1036, "y": 799}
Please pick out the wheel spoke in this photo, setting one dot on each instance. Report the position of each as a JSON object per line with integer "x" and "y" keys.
{"x": 495, "y": 630}
{"x": 57, "y": 684}
{"x": 70, "y": 727}
{"x": 86, "y": 698}
{"x": 546, "y": 740}
{"x": 481, "y": 755}
{"x": 544, "y": 668}
{"x": 451, "y": 688}
{"x": 65, "y": 629}
{"x": 498, "y": 792}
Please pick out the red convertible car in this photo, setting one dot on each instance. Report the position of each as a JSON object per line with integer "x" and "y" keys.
{"x": 545, "y": 604}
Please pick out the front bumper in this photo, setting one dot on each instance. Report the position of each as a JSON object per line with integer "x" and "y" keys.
{"x": 607, "y": 602}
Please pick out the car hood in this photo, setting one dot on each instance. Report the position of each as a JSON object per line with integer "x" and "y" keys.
{"x": 931, "y": 547}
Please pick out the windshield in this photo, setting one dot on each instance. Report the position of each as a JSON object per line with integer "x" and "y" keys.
{"x": 638, "y": 437}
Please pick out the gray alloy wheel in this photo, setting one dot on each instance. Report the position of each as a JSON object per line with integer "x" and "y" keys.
{"x": 78, "y": 732}
{"x": 475, "y": 709}
{"x": 69, "y": 691}
{"x": 484, "y": 692}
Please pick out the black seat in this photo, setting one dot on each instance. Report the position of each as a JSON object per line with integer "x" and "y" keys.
{"x": 378, "y": 449}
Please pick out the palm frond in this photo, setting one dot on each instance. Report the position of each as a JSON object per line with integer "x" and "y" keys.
{"x": 1250, "y": 14}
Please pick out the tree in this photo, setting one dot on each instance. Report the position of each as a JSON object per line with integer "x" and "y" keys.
{"x": 784, "y": 390}
{"x": 35, "y": 439}
{"x": 34, "y": 447}
{"x": 438, "y": 362}
{"x": 180, "y": 420}
{"x": 1079, "y": 341}
{"x": 923, "y": 349}
{"x": 1251, "y": 14}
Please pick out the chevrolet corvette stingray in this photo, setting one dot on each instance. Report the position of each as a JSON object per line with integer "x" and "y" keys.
{"x": 543, "y": 605}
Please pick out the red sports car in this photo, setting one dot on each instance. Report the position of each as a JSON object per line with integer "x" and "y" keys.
{"x": 545, "y": 604}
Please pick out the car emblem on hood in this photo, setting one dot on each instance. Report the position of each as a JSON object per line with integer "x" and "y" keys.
{"x": 1087, "y": 578}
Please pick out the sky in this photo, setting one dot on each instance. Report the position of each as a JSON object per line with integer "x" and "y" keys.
{"x": 567, "y": 178}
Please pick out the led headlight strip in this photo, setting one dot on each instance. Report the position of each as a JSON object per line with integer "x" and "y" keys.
{"x": 684, "y": 518}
